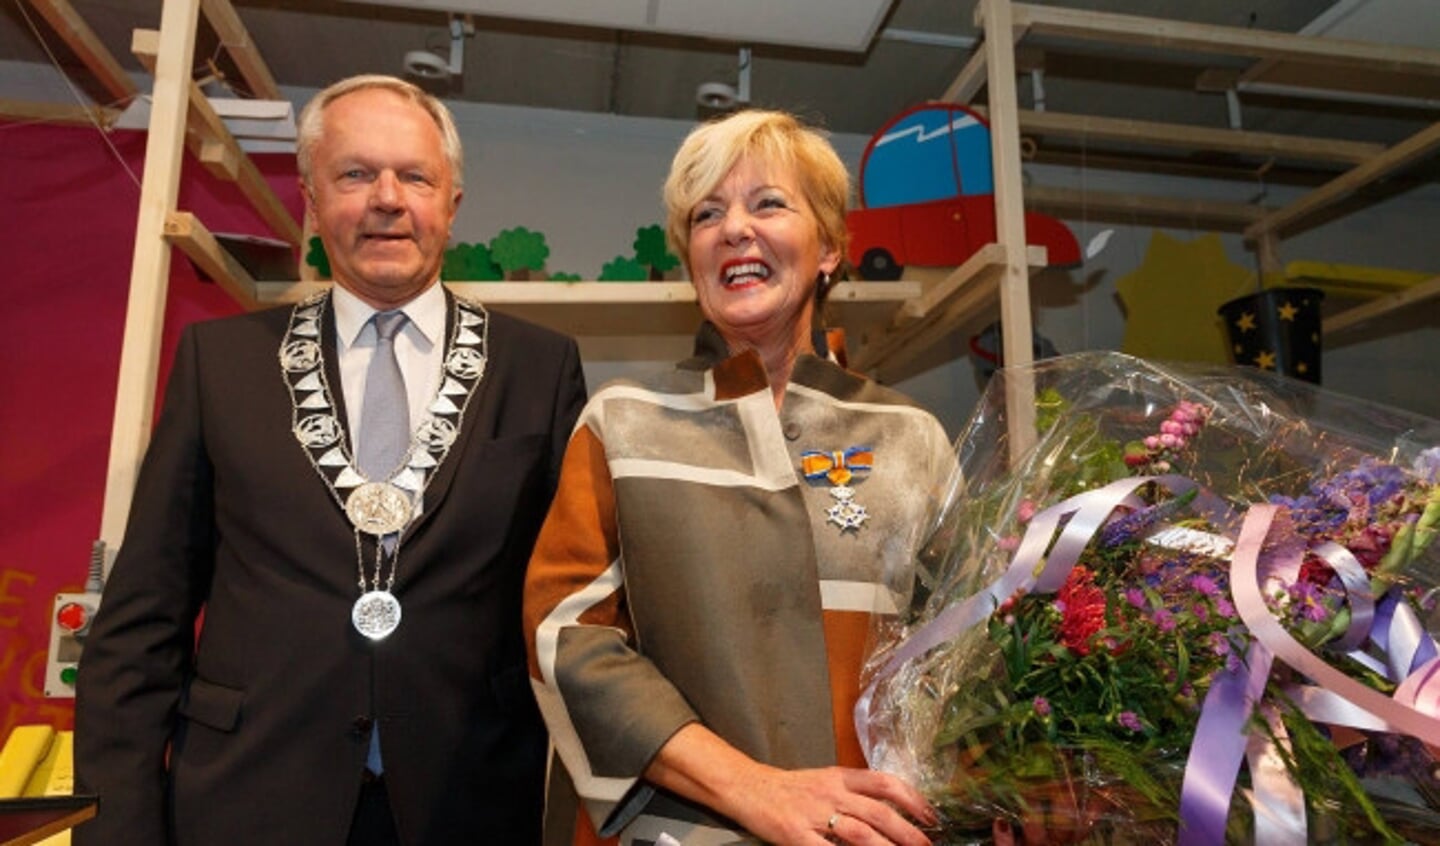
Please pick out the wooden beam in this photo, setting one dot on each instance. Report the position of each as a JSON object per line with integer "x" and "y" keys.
{"x": 1400, "y": 156}
{"x": 241, "y": 47}
{"x": 947, "y": 302}
{"x": 981, "y": 270}
{"x": 27, "y": 112}
{"x": 150, "y": 267}
{"x": 231, "y": 164}
{"x": 187, "y": 233}
{"x": 1140, "y": 209}
{"x": 1187, "y": 137}
{"x": 1017, "y": 350}
{"x": 1179, "y": 36}
{"x": 83, "y": 41}
{"x": 1429, "y": 289}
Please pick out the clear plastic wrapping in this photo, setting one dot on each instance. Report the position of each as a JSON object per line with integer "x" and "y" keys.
{"x": 1188, "y": 560}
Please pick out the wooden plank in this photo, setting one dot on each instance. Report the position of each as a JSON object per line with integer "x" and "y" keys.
{"x": 83, "y": 41}
{"x": 236, "y": 39}
{"x": 186, "y": 232}
{"x": 948, "y": 302}
{"x": 1014, "y": 283}
{"x": 1222, "y": 40}
{"x": 1188, "y": 137}
{"x": 635, "y": 310}
{"x": 150, "y": 267}
{"x": 1379, "y": 308}
{"x": 233, "y": 165}
{"x": 1142, "y": 209}
{"x": 1398, "y": 157}
{"x": 28, "y": 112}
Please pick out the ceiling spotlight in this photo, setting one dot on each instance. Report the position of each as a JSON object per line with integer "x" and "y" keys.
{"x": 428, "y": 65}
{"x": 720, "y": 96}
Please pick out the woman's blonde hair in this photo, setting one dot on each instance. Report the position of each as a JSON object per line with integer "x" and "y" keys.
{"x": 772, "y": 139}
{"x": 312, "y": 123}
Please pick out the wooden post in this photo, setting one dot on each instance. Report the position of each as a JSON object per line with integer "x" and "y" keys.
{"x": 150, "y": 267}
{"x": 1014, "y": 282}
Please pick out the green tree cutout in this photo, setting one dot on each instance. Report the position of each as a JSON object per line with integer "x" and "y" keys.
{"x": 317, "y": 258}
{"x": 519, "y": 252}
{"x": 563, "y": 277}
{"x": 651, "y": 250}
{"x": 470, "y": 263}
{"x": 623, "y": 269}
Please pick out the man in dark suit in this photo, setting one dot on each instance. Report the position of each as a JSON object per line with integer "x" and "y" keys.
{"x": 359, "y": 675}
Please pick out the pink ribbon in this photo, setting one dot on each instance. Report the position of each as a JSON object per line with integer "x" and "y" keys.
{"x": 1221, "y": 740}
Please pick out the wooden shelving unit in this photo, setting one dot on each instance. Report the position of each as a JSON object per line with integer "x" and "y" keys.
{"x": 887, "y": 323}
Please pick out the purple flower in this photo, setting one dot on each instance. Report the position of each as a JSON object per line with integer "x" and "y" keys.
{"x": 1219, "y": 643}
{"x": 1042, "y": 706}
{"x": 1204, "y": 584}
{"x": 1224, "y": 608}
{"x": 1136, "y": 597}
{"x": 1306, "y": 601}
{"x": 1129, "y": 720}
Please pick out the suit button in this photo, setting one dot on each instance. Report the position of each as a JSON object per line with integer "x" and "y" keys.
{"x": 361, "y": 726}
{"x": 792, "y": 431}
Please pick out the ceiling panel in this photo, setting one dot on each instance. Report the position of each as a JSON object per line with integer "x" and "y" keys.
{"x": 821, "y": 24}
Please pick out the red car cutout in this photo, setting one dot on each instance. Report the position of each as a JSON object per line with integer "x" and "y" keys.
{"x": 927, "y": 196}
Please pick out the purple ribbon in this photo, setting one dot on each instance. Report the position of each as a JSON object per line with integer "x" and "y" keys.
{"x": 1221, "y": 741}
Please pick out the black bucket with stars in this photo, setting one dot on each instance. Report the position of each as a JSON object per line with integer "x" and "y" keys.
{"x": 1276, "y": 329}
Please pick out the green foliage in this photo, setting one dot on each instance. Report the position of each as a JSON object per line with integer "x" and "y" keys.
{"x": 519, "y": 249}
{"x": 564, "y": 277}
{"x": 470, "y": 263}
{"x": 650, "y": 249}
{"x": 622, "y": 269}
{"x": 317, "y": 258}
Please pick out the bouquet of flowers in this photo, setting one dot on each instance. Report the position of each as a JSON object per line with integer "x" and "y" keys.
{"x": 1199, "y": 608}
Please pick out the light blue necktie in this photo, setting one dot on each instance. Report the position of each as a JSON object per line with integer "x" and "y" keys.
{"x": 384, "y": 436}
{"x": 385, "y": 411}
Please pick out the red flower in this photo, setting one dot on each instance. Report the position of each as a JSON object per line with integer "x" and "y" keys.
{"x": 1083, "y": 610}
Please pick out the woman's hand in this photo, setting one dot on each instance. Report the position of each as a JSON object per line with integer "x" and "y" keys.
{"x": 834, "y": 804}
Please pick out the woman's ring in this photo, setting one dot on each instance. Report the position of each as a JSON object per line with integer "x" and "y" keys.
{"x": 834, "y": 818}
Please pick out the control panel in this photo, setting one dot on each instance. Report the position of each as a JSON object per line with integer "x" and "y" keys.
{"x": 69, "y": 624}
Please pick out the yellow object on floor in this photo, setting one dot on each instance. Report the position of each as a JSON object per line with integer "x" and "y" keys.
{"x": 38, "y": 761}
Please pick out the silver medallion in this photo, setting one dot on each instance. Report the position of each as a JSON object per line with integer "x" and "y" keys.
{"x": 376, "y": 614}
{"x": 378, "y": 508}
{"x": 466, "y": 363}
{"x": 317, "y": 431}
{"x": 436, "y": 434}
{"x": 299, "y": 356}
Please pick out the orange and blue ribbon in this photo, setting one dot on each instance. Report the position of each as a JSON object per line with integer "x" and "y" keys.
{"x": 839, "y": 466}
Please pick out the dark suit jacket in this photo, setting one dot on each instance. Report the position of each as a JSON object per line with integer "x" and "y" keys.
{"x": 266, "y": 716}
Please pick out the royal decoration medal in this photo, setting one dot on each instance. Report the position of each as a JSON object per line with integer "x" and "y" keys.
{"x": 839, "y": 468}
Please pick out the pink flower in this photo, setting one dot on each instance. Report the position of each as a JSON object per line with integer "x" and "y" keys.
{"x": 1042, "y": 706}
{"x": 1130, "y": 720}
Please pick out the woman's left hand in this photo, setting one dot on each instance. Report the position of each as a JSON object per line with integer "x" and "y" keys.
{"x": 815, "y": 806}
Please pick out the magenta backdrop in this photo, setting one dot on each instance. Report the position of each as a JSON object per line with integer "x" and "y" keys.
{"x": 71, "y": 201}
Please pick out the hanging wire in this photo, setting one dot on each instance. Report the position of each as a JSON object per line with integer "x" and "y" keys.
{"x": 80, "y": 98}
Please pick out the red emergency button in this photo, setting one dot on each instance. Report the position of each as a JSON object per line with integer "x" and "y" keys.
{"x": 73, "y": 617}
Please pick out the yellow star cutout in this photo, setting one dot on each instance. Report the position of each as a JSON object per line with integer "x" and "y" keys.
{"x": 1265, "y": 360}
{"x": 1246, "y": 323}
{"x": 1181, "y": 277}
{"x": 1288, "y": 312}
